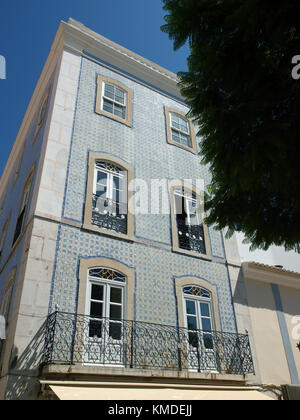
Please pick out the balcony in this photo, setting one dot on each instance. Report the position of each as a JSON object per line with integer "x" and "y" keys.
{"x": 109, "y": 214}
{"x": 191, "y": 237}
{"x": 79, "y": 339}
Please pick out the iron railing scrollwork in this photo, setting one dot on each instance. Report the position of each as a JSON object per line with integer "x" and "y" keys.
{"x": 109, "y": 214}
{"x": 191, "y": 237}
{"x": 73, "y": 338}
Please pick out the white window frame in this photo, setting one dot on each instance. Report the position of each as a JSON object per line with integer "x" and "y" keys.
{"x": 202, "y": 337}
{"x": 188, "y": 198}
{"x": 198, "y": 315}
{"x": 181, "y": 132}
{"x": 105, "y": 338}
{"x": 114, "y": 101}
{"x": 107, "y": 286}
{"x": 110, "y": 181}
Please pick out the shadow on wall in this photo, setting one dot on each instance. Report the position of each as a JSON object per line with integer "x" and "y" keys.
{"x": 24, "y": 370}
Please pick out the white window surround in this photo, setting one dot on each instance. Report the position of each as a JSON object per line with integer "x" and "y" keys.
{"x": 125, "y": 280}
{"x": 180, "y": 130}
{"x": 98, "y": 206}
{"x": 110, "y": 182}
{"x": 105, "y": 300}
{"x": 191, "y": 204}
{"x": 198, "y": 310}
{"x": 114, "y": 100}
{"x": 189, "y": 281}
{"x": 189, "y": 233}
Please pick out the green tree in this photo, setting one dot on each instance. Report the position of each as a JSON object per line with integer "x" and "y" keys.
{"x": 246, "y": 103}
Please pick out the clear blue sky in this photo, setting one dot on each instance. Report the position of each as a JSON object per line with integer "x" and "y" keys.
{"x": 28, "y": 27}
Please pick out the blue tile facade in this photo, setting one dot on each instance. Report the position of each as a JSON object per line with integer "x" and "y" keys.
{"x": 144, "y": 147}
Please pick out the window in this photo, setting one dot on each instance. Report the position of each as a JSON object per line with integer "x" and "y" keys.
{"x": 114, "y": 100}
{"x": 106, "y": 303}
{"x": 3, "y": 236}
{"x": 106, "y": 209}
{"x": 41, "y": 116}
{"x": 6, "y": 298}
{"x": 190, "y": 234}
{"x": 188, "y": 220}
{"x": 198, "y": 316}
{"x": 110, "y": 197}
{"x": 23, "y": 208}
{"x": 106, "y": 297}
{"x": 199, "y": 323}
{"x": 180, "y": 130}
{"x": 105, "y": 308}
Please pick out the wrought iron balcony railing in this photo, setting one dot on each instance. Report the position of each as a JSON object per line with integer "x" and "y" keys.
{"x": 109, "y": 214}
{"x": 191, "y": 237}
{"x": 73, "y": 338}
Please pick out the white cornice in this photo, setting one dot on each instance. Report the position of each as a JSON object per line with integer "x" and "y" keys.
{"x": 272, "y": 275}
{"x": 83, "y": 40}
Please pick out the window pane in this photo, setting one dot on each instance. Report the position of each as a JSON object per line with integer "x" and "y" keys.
{"x": 190, "y": 307}
{"x": 96, "y": 309}
{"x": 116, "y": 295}
{"x": 208, "y": 341}
{"x": 97, "y": 292}
{"x": 115, "y": 331}
{"x": 120, "y": 95}
{"x": 117, "y": 182}
{"x": 204, "y": 307}
{"x": 95, "y": 329}
{"x": 116, "y": 196}
{"x": 174, "y": 118}
{"x": 115, "y": 312}
{"x": 184, "y": 139}
{"x": 109, "y": 91}
{"x": 192, "y": 323}
{"x": 193, "y": 340}
{"x": 119, "y": 111}
{"x": 180, "y": 207}
{"x": 175, "y": 125}
{"x": 183, "y": 125}
{"x": 206, "y": 325}
{"x": 101, "y": 178}
{"x": 107, "y": 106}
{"x": 175, "y": 136}
{"x": 101, "y": 185}
{"x": 109, "y": 87}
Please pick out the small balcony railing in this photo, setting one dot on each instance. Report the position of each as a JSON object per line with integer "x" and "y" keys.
{"x": 109, "y": 214}
{"x": 73, "y": 338}
{"x": 191, "y": 237}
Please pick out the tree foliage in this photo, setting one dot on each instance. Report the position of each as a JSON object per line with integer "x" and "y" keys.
{"x": 247, "y": 106}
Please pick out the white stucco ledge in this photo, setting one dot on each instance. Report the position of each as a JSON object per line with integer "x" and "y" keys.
{"x": 111, "y": 383}
{"x": 96, "y": 373}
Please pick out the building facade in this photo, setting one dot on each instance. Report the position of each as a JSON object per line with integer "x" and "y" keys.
{"x": 110, "y": 281}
